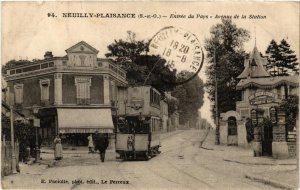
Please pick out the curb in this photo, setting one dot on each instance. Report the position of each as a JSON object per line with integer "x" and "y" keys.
{"x": 266, "y": 164}
{"x": 270, "y": 182}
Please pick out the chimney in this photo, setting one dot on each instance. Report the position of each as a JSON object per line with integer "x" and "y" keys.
{"x": 48, "y": 55}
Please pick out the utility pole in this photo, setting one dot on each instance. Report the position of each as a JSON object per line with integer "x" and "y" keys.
{"x": 217, "y": 140}
{"x": 13, "y": 155}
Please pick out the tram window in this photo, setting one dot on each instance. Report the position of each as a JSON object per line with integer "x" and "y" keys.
{"x": 154, "y": 97}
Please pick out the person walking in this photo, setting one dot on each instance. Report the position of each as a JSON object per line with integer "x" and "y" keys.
{"x": 101, "y": 144}
{"x": 58, "y": 155}
{"x": 91, "y": 143}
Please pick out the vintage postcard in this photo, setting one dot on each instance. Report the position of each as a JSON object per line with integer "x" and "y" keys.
{"x": 149, "y": 95}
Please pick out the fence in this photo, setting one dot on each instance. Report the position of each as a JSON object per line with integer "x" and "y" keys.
{"x": 6, "y": 157}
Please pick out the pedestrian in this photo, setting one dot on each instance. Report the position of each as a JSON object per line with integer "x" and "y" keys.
{"x": 101, "y": 144}
{"x": 91, "y": 143}
{"x": 58, "y": 155}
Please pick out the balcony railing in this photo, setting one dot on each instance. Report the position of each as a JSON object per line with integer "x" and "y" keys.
{"x": 45, "y": 102}
{"x": 30, "y": 68}
{"x": 50, "y": 64}
{"x": 83, "y": 101}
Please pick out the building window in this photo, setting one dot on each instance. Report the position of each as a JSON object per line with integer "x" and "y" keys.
{"x": 113, "y": 91}
{"x": 83, "y": 85}
{"x": 18, "y": 93}
{"x": 44, "y": 85}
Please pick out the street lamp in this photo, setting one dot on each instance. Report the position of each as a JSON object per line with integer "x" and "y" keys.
{"x": 36, "y": 124}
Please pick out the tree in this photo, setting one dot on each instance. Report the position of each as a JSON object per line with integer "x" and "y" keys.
{"x": 24, "y": 133}
{"x": 272, "y": 53}
{"x": 282, "y": 61}
{"x": 226, "y": 42}
{"x": 13, "y": 63}
{"x": 291, "y": 108}
{"x": 131, "y": 55}
{"x": 190, "y": 97}
{"x": 288, "y": 59}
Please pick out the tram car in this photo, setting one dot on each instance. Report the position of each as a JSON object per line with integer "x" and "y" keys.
{"x": 139, "y": 123}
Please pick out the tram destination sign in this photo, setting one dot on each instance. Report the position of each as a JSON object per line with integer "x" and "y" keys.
{"x": 261, "y": 98}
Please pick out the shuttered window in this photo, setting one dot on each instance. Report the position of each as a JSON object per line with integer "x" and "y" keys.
{"x": 18, "y": 93}
{"x": 83, "y": 85}
{"x": 44, "y": 85}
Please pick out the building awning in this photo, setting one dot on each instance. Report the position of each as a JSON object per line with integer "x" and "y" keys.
{"x": 85, "y": 120}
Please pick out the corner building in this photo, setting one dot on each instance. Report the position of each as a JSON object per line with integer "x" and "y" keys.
{"x": 74, "y": 93}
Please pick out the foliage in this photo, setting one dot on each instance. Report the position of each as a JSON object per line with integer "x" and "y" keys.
{"x": 291, "y": 108}
{"x": 24, "y": 133}
{"x": 131, "y": 55}
{"x": 172, "y": 106}
{"x": 190, "y": 97}
{"x": 13, "y": 63}
{"x": 227, "y": 42}
{"x": 282, "y": 61}
{"x": 272, "y": 53}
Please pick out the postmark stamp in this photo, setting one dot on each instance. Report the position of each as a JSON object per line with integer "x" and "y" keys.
{"x": 182, "y": 51}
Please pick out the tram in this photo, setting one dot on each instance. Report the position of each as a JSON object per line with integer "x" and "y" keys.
{"x": 138, "y": 128}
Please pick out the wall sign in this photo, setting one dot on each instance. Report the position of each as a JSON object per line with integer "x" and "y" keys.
{"x": 261, "y": 98}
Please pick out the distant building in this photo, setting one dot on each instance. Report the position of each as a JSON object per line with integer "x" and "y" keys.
{"x": 173, "y": 121}
{"x": 74, "y": 92}
{"x": 164, "y": 115}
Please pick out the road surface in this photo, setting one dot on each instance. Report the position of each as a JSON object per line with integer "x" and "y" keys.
{"x": 183, "y": 164}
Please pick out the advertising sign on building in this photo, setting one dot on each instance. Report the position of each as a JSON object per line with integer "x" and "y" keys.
{"x": 261, "y": 98}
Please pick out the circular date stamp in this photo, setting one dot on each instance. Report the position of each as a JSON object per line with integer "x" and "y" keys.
{"x": 182, "y": 51}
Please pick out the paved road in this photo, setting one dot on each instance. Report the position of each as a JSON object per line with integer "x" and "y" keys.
{"x": 181, "y": 165}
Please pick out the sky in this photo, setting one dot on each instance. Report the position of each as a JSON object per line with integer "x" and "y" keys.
{"x": 28, "y": 32}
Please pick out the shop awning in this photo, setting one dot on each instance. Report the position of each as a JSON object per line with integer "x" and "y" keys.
{"x": 85, "y": 120}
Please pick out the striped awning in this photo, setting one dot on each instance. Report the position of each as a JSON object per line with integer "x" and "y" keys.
{"x": 85, "y": 120}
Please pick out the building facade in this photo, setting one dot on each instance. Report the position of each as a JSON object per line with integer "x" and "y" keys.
{"x": 261, "y": 94}
{"x": 259, "y": 89}
{"x": 74, "y": 93}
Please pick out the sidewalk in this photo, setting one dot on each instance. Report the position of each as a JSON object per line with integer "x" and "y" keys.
{"x": 286, "y": 179}
{"x": 278, "y": 173}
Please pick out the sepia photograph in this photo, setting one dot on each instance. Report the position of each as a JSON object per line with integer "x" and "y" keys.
{"x": 150, "y": 95}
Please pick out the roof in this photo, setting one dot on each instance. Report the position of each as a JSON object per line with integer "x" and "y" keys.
{"x": 257, "y": 60}
{"x": 270, "y": 82}
{"x": 84, "y": 44}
